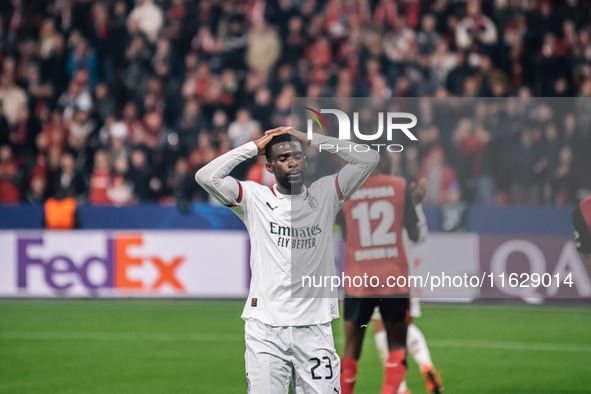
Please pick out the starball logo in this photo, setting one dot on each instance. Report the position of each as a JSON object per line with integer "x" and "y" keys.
{"x": 390, "y": 119}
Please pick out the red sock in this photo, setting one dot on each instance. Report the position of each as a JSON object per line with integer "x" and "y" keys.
{"x": 348, "y": 374}
{"x": 394, "y": 371}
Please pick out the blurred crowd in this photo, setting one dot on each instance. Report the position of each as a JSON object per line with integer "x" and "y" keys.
{"x": 121, "y": 101}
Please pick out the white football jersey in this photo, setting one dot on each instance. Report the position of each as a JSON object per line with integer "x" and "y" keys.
{"x": 291, "y": 237}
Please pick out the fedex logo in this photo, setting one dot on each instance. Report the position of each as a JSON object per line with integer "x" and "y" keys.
{"x": 61, "y": 271}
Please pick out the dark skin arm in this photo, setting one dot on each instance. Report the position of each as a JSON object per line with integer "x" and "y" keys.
{"x": 413, "y": 233}
{"x": 418, "y": 191}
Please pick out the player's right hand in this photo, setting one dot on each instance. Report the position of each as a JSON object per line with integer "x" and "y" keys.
{"x": 262, "y": 142}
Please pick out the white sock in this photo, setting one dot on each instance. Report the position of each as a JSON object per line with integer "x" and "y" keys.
{"x": 416, "y": 344}
{"x": 402, "y": 387}
{"x": 382, "y": 345}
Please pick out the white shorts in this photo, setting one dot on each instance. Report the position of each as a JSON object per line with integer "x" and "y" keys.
{"x": 305, "y": 355}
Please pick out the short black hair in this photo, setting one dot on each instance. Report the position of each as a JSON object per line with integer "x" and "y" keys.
{"x": 277, "y": 140}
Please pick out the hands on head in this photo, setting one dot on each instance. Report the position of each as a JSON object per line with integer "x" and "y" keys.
{"x": 262, "y": 142}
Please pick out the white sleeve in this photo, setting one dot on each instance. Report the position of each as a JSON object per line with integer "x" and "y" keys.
{"x": 214, "y": 176}
{"x": 360, "y": 163}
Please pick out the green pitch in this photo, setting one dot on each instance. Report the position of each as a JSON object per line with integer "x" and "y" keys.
{"x": 183, "y": 346}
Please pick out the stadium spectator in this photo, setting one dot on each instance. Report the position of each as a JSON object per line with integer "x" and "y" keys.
{"x": 10, "y": 177}
{"x": 439, "y": 175}
{"x": 37, "y": 189}
{"x": 12, "y": 96}
{"x": 180, "y": 183}
{"x": 118, "y": 148}
{"x": 67, "y": 178}
{"x": 83, "y": 57}
{"x": 471, "y": 142}
{"x": 234, "y": 41}
{"x": 22, "y": 138}
{"x": 51, "y": 142}
{"x": 262, "y": 107}
{"x": 475, "y": 28}
{"x": 77, "y": 96}
{"x": 191, "y": 123}
{"x": 428, "y": 39}
{"x": 105, "y": 104}
{"x": 526, "y": 165}
{"x": 564, "y": 178}
{"x": 263, "y": 48}
{"x": 100, "y": 179}
{"x": 120, "y": 190}
{"x": 147, "y": 18}
{"x": 4, "y": 128}
{"x": 453, "y": 214}
{"x": 386, "y": 14}
{"x": 295, "y": 41}
{"x": 244, "y": 128}
{"x": 135, "y": 128}
{"x": 144, "y": 183}
{"x": 39, "y": 90}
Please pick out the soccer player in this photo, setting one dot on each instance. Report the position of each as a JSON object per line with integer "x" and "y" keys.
{"x": 290, "y": 226}
{"x": 373, "y": 222}
{"x": 582, "y": 223}
{"x": 415, "y": 340}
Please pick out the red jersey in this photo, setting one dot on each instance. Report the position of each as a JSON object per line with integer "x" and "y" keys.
{"x": 9, "y": 191}
{"x": 375, "y": 217}
{"x": 99, "y": 182}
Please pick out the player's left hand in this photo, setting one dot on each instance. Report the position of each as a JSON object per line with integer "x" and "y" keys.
{"x": 262, "y": 142}
{"x": 418, "y": 190}
{"x": 279, "y": 130}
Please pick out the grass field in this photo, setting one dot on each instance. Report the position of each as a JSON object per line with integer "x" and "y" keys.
{"x": 183, "y": 346}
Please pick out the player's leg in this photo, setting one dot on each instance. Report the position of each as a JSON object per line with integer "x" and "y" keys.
{"x": 417, "y": 345}
{"x": 357, "y": 314}
{"x": 381, "y": 340}
{"x": 380, "y": 336}
{"x": 353, "y": 342}
{"x": 415, "y": 306}
{"x": 415, "y": 311}
{"x": 395, "y": 367}
{"x": 317, "y": 366}
{"x": 268, "y": 369}
{"x": 395, "y": 314}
